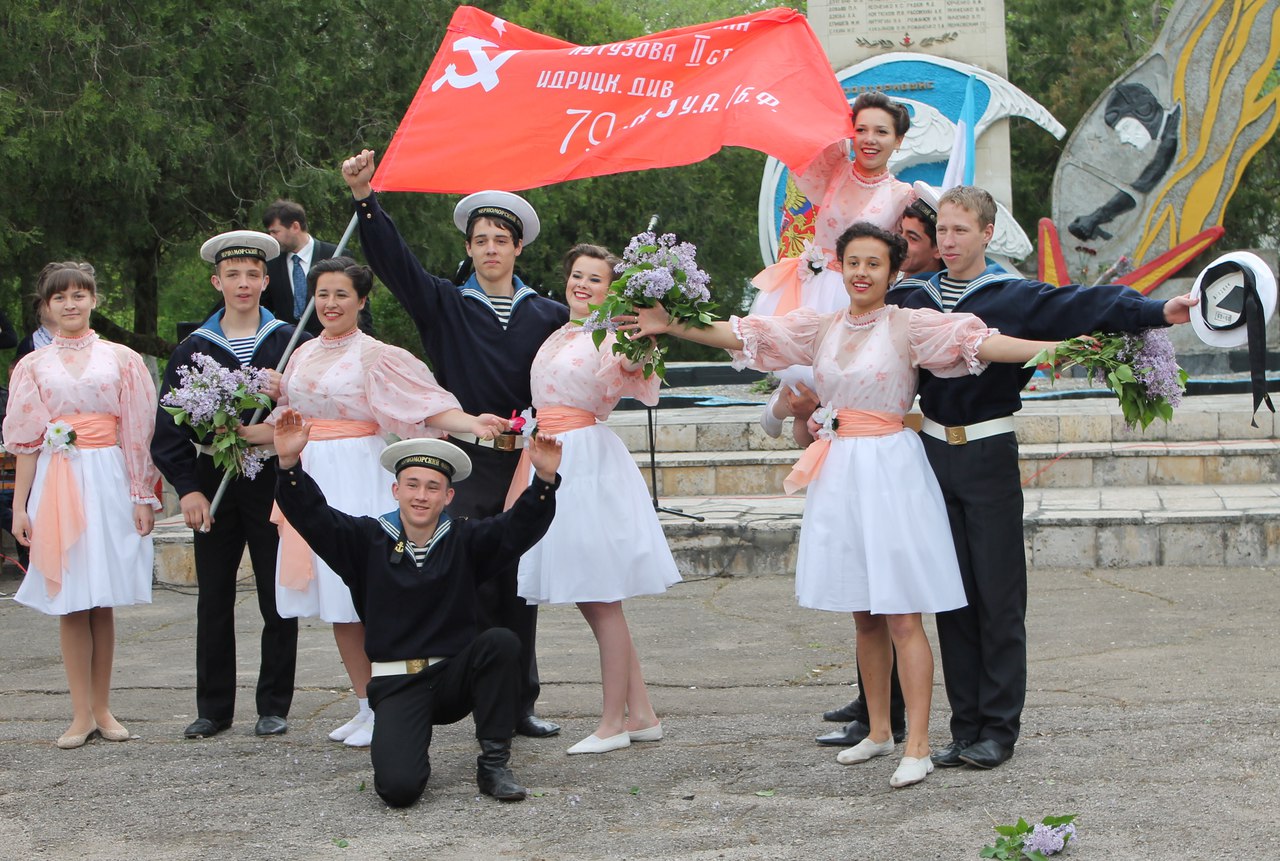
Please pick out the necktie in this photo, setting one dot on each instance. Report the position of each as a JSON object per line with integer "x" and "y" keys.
{"x": 299, "y": 287}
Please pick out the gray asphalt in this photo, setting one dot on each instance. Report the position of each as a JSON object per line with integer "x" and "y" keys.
{"x": 1152, "y": 714}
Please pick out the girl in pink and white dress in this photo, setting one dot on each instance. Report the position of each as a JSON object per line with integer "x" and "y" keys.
{"x": 605, "y": 543}
{"x": 85, "y": 505}
{"x": 844, "y": 192}
{"x": 355, "y": 391}
{"x": 875, "y": 540}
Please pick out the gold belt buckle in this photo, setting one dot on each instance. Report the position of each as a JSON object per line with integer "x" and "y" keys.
{"x": 956, "y": 435}
{"x": 506, "y": 441}
{"x": 415, "y": 665}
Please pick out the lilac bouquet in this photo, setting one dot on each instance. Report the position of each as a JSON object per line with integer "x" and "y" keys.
{"x": 209, "y": 399}
{"x": 653, "y": 269}
{"x": 1026, "y": 842}
{"x": 1141, "y": 369}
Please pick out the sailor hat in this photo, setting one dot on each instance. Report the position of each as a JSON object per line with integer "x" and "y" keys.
{"x": 506, "y": 207}
{"x": 1230, "y": 289}
{"x": 240, "y": 243}
{"x": 925, "y": 205}
{"x": 434, "y": 454}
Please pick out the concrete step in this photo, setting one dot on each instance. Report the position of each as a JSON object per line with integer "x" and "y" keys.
{"x": 1102, "y": 527}
{"x": 1109, "y": 527}
{"x": 756, "y": 472}
{"x": 1040, "y": 422}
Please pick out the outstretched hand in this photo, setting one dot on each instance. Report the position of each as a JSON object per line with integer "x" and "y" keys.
{"x": 292, "y": 434}
{"x": 488, "y": 426}
{"x": 544, "y": 454}
{"x": 646, "y": 322}
{"x": 357, "y": 171}
{"x": 1178, "y": 309}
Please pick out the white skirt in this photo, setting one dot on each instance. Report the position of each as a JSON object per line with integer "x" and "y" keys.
{"x": 605, "y": 543}
{"x": 353, "y": 482}
{"x": 111, "y": 564}
{"x": 824, "y": 293}
{"x": 875, "y": 534}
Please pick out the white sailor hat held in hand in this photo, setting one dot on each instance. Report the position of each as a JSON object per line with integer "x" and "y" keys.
{"x": 1235, "y": 291}
{"x": 434, "y": 454}
{"x": 502, "y": 206}
{"x": 240, "y": 243}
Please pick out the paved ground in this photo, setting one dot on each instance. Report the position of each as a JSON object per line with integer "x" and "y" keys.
{"x": 1151, "y": 714}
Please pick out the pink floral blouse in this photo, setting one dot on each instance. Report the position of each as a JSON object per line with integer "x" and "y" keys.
{"x": 569, "y": 371}
{"x": 359, "y": 378}
{"x": 866, "y": 362}
{"x": 844, "y": 196}
{"x": 86, "y": 375}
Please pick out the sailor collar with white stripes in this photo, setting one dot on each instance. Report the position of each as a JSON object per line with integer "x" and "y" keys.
{"x": 472, "y": 290}
{"x": 211, "y": 330}
{"x": 932, "y": 286}
{"x": 391, "y": 524}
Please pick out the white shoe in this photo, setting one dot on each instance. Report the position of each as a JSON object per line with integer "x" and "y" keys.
{"x": 363, "y": 736}
{"x": 864, "y": 750}
{"x": 911, "y": 770}
{"x": 649, "y": 733}
{"x": 342, "y": 732}
{"x": 595, "y": 744}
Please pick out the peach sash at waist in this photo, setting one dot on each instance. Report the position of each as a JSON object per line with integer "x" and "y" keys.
{"x": 785, "y": 276}
{"x": 59, "y": 521}
{"x": 551, "y": 421}
{"x": 848, "y": 423}
{"x": 324, "y": 429}
{"x": 297, "y": 567}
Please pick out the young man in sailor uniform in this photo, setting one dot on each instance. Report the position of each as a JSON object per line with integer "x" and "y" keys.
{"x": 480, "y": 339}
{"x": 239, "y": 334}
{"x": 414, "y": 575}
{"x": 969, "y": 439}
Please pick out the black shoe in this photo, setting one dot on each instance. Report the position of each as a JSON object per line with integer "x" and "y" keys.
{"x": 535, "y": 727}
{"x": 492, "y": 775}
{"x": 206, "y": 728}
{"x": 271, "y": 725}
{"x": 853, "y": 711}
{"x": 949, "y": 756}
{"x": 986, "y": 753}
{"x": 854, "y": 732}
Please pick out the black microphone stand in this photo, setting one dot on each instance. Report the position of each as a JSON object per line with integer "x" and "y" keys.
{"x": 653, "y": 472}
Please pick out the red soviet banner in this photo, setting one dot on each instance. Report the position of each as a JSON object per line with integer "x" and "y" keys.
{"x": 504, "y": 107}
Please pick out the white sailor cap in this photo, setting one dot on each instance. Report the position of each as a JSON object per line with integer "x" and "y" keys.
{"x": 434, "y": 454}
{"x": 1224, "y": 289}
{"x": 240, "y": 243}
{"x": 506, "y": 207}
{"x": 926, "y": 203}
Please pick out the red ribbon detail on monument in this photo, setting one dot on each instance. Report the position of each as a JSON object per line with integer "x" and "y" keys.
{"x": 504, "y": 107}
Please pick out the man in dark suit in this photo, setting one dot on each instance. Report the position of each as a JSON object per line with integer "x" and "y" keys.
{"x": 286, "y": 294}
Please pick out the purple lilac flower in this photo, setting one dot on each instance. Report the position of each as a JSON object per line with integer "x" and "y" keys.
{"x": 594, "y": 321}
{"x": 1045, "y": 839}
{"x": 1156, "y": 367}
{"x": 252, "y": 463}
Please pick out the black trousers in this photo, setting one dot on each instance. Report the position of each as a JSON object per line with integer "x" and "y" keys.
{"x": 984, "y": 645}
{"x": 242, "y": 518}
{"x": 483, "y": 495}
{"x": 479, "y": 680}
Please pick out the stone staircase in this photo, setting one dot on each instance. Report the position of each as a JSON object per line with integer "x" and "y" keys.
{"x": 1202, "y": 490}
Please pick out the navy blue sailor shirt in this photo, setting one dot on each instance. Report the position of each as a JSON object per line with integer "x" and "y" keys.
{"x": 411, "y": 612}
{"x": 173, "y": 446}
{"x": 484, "y": 365}
{"x": 1020, "y": 308}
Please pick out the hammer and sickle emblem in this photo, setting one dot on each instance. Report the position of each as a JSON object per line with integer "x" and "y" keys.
{"x": 486, "y": 73}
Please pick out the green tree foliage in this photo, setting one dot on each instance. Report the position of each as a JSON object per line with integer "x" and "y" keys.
{"x": 142, "y": 128}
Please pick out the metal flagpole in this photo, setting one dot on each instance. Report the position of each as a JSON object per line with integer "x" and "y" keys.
{"x": 288, "y": 351}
